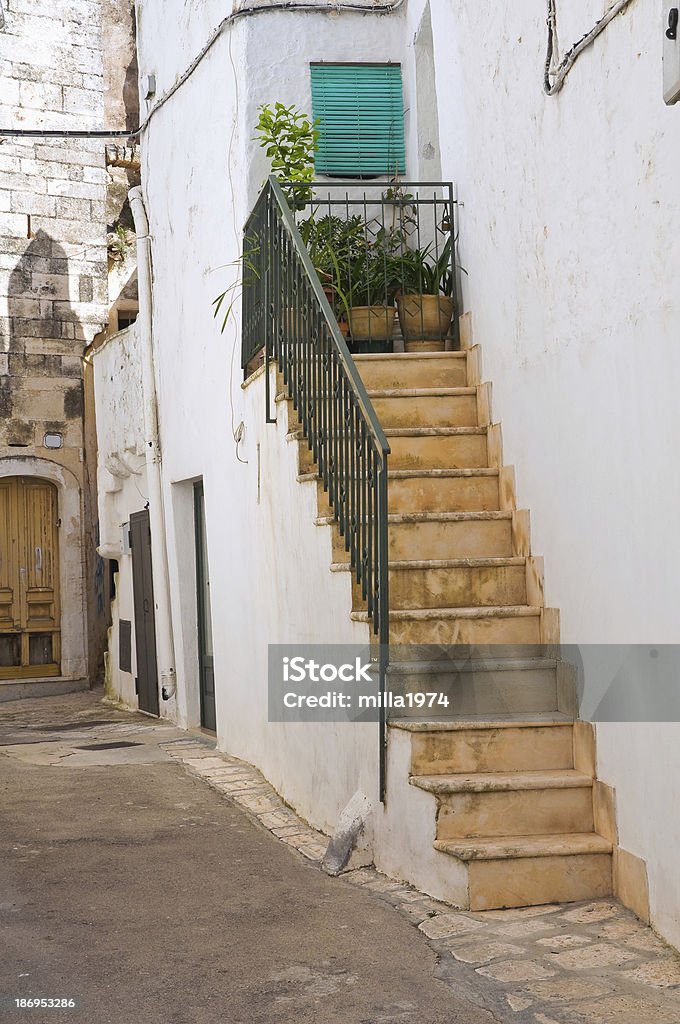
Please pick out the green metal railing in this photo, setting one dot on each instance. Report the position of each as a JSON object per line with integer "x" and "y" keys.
{"x": 286, "y": 313}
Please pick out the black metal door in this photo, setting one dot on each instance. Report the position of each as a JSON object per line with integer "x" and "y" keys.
{"x": 145, "y": 619}
{"x": 205, "y": 643}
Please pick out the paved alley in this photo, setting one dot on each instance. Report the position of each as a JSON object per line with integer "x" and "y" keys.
{"x": 149, "y": 878}
{"x": 138, "y": 891}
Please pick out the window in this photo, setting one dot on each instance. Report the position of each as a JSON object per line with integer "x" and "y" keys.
{"x": 360, "y": 109}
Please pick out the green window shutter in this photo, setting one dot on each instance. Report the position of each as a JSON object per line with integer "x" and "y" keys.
{"x": 360, "y": 108}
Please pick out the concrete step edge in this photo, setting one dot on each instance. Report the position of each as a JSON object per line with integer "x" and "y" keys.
{"x": 509, "y": 611}
{"x": 436, "y": 392}
{"x": 383, "y": 357}
{"x": 397, "y": 518}
{"x": 434, "y": 431}
{"x": 467, "y": 666}
{"x": 502, "y": 782}
{"x": 521, "y": 847}
{"x": 445, "y": 563}
{"x": 537, "y": 720}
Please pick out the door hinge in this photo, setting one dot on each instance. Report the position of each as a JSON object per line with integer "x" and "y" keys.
{"x": 137, "y": 685}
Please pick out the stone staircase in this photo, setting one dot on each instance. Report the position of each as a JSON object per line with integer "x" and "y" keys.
{"x": 513, "y": 800}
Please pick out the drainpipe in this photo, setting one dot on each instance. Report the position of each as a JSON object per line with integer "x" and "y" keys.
{"x": 159, "y": 550}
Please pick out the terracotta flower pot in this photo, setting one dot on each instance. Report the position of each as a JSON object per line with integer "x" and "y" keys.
{"x": 425, "y": 321}
{"x": 371, "y": 323}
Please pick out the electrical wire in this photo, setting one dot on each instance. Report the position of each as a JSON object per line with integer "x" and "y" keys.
{"x": 556, "y": 70}
{"x": 244, "y": 12}
{"x": 238, "y": 432}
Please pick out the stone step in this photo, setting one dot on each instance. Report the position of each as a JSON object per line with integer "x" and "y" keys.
{"x": 470, "y": 747}
{"x": 520, "y": 871}
{"x": 441, "y": 535}
{"x": 458, "y": 583}
{"x": 407, "y": 370}
{"x": 438, "y": 447}
{"x": 506, "y": 625}
{"x": 430, "y": 490}
{"x": 425, "y": 407}
{"x": 50, "y": 686}
{"x": 420, "y": 448}
{"x": 443, "y": 490}
{"x": 516, "y": 686}
{"x": 532, "y": 803}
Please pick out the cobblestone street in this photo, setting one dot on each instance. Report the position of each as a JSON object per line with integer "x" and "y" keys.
{"x": 163, "y": 881}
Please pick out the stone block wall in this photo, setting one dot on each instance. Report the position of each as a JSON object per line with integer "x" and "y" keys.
{"x": 53, "y": 255}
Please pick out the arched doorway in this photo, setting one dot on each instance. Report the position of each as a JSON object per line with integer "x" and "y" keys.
{"x": 30, "y": 638}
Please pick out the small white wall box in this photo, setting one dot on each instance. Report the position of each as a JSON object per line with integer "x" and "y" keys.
{"x": 53, "y": 440}
{"x": 671, "y": 54}
{"x": 125, "y": 538}
{"x": 148, "y": 86}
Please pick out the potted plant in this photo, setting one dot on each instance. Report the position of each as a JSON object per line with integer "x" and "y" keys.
{"x": 366, "y": 284}
{"x": 332, "y": 241}
{"x": 425, "y": 300}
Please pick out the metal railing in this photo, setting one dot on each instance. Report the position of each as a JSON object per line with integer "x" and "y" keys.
{"x": 286, "y": 313}
{"x": 382, "y": 246}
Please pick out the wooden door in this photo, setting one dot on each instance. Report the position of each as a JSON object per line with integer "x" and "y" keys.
{"x": 29, "y": 579}
{"x": 145, "y": 617}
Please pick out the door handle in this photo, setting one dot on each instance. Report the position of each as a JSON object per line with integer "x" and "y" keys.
{"x": 38, "y": 559}
{"x": 672, "y": 30}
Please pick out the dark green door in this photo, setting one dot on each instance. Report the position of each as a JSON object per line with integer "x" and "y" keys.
{"x": 205, "y": 644}
{"x": 145, "y": 617}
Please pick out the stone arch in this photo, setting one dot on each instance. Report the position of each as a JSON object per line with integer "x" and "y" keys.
{"x": 71, "y": 556}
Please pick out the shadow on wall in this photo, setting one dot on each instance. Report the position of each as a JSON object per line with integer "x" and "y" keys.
{"x": 130, "y": 87}
{"x": 43, "y": 388}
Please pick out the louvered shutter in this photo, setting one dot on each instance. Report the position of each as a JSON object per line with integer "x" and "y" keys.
{"x": 360, "y": 108}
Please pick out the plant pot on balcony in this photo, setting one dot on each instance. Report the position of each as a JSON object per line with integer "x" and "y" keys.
{"x": 425, "y": 321}
{"x": 371, "y": 328}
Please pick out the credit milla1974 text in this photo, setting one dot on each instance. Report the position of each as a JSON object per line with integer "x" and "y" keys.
{"x": 365, "y": 701}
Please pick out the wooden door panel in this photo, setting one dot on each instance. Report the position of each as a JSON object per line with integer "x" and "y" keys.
{"x": 9, "y": 566}
{"x": 40, "y": 556}
{"x": 29, "y": 578}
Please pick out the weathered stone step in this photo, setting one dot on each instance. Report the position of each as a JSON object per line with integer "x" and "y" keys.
{"x": 425, "y": 407}
{"x": 520, "y": 847}
{"x": 437, "y": 535}
{"x": 420, "y": 448}
{"x": 503, "y": 782}
{"x": 443, "y": 490}
{"x": 520, "y": 871}
{"x": 407, "y": 370}
{"x": 470, "y": 747}
{"x": 535, "y": 803}
{"x": 430, "y": 490}
{"x": 503, "y": 625}
{"x": 455, "y": 583}
{"x": 477, "y": 688}
{"x": 438, "y": 447}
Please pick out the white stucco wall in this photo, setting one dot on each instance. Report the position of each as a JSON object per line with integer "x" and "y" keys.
{"x": 641, "y": 760}
{"x": 269, "y": 564}
{"x": 568, "y": 238}
{"x": 121, "y": 482}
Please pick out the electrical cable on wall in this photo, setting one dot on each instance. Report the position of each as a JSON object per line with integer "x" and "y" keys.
{"x": 556, "y": 69}
{"x": 244, "y": 12}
